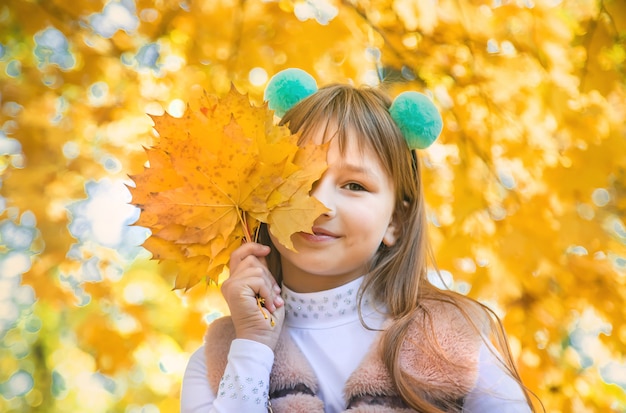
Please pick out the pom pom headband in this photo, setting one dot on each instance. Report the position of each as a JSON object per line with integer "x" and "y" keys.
{"x": 416, "y": 116}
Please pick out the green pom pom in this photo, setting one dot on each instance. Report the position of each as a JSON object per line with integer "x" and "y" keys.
{"x": 288, "y": 87}
{"x": 418, "y": 119}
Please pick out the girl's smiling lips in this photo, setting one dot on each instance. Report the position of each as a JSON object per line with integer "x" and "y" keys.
{"x": 319, "y": 235}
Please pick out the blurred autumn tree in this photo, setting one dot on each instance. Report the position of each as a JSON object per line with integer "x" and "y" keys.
{"x": 526, "y": 187}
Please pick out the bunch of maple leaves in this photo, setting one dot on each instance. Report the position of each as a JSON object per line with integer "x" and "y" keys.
{"x": 214, "y": 175}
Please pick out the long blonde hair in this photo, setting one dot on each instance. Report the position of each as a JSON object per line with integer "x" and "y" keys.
{"x": 397, "y": 278}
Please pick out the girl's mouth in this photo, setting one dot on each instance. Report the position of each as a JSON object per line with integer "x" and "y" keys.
{"x": 319, "y": 235}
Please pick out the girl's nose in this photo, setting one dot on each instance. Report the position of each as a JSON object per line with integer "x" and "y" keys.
{"x": 323, "y": 192}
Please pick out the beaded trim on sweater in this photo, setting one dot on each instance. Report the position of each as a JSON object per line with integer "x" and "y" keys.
{"x": 332, "y": 307}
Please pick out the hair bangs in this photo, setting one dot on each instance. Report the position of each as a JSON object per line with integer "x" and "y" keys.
{"x": 361, "y": 113}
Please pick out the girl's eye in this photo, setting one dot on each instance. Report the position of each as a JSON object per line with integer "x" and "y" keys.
{"x": 353, "y": 186}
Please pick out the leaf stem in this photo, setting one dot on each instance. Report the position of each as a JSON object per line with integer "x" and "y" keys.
{"x": 260, "y": 301}
{"x": 244, "y": 224}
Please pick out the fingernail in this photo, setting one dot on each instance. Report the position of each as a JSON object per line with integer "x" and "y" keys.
{"x": 279, "y": 301}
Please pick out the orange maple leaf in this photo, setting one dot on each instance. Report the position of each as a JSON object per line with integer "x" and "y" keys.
{"x": 214, "y": 175}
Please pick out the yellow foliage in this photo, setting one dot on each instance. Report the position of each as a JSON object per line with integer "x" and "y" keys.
{"x": 526, "y": 187}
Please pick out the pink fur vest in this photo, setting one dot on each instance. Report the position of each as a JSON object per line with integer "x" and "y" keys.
{"x": 369, "y": 389}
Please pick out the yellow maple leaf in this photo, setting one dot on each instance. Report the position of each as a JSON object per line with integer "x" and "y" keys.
{"x": 214, "y": 175}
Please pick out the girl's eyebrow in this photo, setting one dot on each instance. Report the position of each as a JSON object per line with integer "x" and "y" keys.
{"x": 359, "y": 169}
{"x": 354, "y": 168}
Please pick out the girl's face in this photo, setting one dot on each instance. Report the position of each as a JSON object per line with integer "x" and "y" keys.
{"x": 360, "y": 198}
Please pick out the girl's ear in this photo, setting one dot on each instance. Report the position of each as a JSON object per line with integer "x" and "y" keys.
{"x": 393, "y": 230}
{"x": 390, "y": 237}
{"x": 391, "y": 234}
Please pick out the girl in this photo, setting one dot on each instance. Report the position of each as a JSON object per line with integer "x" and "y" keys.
{"x": 357, "y": 326}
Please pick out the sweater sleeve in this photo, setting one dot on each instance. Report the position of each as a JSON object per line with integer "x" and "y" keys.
{"x": 243, "y": 387}
{"x": 495, "y": 391}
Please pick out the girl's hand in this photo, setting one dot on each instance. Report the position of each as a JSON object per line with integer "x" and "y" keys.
{"x": 249, "y": 279}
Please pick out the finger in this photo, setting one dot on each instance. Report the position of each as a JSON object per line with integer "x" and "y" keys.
{"x": 267, "y": 297}
{"x": 278, "y": 299}
{"x": 247, "y": 249}
{"x": 252, "y": 281}
{"x": 250, "y": 248}
{"x": 273, "y": 284}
